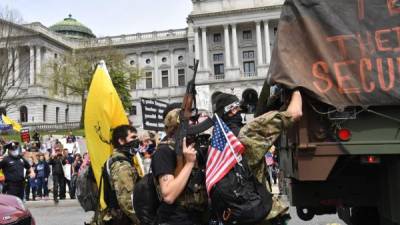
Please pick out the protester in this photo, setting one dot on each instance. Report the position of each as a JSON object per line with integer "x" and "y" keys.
{"x": 42, "y": 176}
{"x": 31, "y": 182}
{"x": 71, "y": 138}
{"x": 146, "y": 149}
{"x": 75, "y": 169}
{"x": 13, "y": 167}
{"x": 57, "y": 160}
{"x": 180, "y": 204}
{"x": 122, "y": 176}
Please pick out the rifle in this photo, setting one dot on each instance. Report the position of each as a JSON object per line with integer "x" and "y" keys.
{"x": 189, "y": 112}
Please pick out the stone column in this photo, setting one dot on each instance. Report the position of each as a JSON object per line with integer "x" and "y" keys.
{"x": 172, "y": 79}
{"x": 31, "y": 65}
{"x": 227, "y": 47}
{"x": 141, "y": 83}
{"x": 9, "y": 71}
{"x": 196, "y": 43}
{"x": 259, "y": 44}
{"x": 38, "y": 60}
{"x": 205, "y": 47}
{"x": 156, "y": 78}
{"x": 235, "y": 46}
{"x": 267, "y": 43}
{"x": 16, "y": 65}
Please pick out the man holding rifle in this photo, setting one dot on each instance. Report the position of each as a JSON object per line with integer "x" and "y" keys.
{"x": 184, "y": 199}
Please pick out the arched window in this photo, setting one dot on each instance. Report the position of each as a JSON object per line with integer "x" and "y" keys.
{"x": 250, "y": 99}
{"x": 23, "y": 114}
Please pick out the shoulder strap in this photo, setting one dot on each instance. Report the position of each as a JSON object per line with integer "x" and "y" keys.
{"x": 112, "y": 160}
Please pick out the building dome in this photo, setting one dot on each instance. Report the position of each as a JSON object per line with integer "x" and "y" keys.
{"x": 71, "y": 28}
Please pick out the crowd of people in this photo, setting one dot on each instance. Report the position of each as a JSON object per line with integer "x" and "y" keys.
{"x": 180, "y": 181}
{"x": 32, "y": 170}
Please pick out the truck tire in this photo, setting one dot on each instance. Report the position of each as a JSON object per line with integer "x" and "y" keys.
{"x": 364, "y": 216}
{"x": 305, "y": 213}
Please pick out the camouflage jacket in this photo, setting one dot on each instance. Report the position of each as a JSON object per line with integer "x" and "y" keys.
{"x": 259, "y": 135}
{"x": 123, "y": 179}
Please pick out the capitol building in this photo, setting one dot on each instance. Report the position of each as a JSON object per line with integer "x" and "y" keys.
{"x": 232, "y": 39}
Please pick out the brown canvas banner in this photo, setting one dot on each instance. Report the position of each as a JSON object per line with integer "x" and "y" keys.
{"x": 341, "y": 52}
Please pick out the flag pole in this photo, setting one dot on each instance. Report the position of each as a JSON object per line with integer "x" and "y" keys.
{"x": 227, "y": 140}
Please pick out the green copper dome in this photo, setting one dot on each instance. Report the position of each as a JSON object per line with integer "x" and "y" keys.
{"x": 71, "y": 28}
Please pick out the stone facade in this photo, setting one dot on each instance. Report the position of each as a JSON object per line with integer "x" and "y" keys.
{"x": 231, "y": 38}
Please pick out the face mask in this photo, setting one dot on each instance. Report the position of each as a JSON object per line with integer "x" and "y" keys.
{"x": 131, "y": 147}
{"x": 14, "y": 153}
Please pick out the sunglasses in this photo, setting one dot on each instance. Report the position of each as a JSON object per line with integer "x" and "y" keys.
{"x": 231, "y": 106}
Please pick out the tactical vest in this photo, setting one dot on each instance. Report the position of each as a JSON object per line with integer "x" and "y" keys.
{"x": 194, "y": 196}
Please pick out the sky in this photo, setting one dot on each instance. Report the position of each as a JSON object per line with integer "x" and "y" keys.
{"x": 106, "y": 17}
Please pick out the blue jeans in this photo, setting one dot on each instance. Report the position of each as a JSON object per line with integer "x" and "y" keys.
{"x": 42, "y": 190}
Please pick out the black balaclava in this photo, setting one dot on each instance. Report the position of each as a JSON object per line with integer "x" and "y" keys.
{"x": 219, "y": 101}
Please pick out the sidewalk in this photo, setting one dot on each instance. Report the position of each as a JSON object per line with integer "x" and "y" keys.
{"x": 51, "y": 203}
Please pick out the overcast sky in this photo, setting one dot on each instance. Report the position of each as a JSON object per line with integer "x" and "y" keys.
{"x": 107, "y": 17}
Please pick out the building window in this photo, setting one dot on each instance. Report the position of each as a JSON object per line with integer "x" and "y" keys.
{"x": 180, "y": 58}
{"x": 57, "y": 113}
{"x": 164, "y": 77}
{"x": 249, "y": 68}
{"x": 67, "y": 115}
{"x": 248, "y": 55}
{"x": 132, "y": 62}
{"x": 149, "y": 80}
{"x": 133, "y": 110}
{"x": 164, "y": 59}
{"x": 218, "y": 69}
{"x": 44, "y": 112}
{"x": 148, "y": 61}
{"x": 181, "y": 77}
{"x": 133, "y": 84}
{"x": 218, "y": 57}
{"x": 217, "y": 37}
{"x": 247, "y": 35}
{"x": 23, "y": 114}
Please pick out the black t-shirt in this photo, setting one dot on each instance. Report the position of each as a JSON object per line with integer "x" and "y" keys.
{"x": 164, "y": 162}
{"x": 13, "y": 168}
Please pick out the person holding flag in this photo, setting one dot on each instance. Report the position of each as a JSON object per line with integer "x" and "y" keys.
{"x": 254, "y": 140}
{"x": 107, "y": 126}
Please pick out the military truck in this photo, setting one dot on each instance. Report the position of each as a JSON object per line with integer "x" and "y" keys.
{"x": 344, "y": 161}
{"x": 343, "y": 156}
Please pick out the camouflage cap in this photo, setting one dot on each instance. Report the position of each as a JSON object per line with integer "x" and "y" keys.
{"x": 171, "y": 120}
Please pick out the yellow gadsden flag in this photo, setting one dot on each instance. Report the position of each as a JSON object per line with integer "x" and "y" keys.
{"x": 16, "y": 126}
{"x": 103, "y": 112}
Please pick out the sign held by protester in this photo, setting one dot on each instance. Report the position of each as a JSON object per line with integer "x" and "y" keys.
{"x": 25, "y": 136}
{"x": 346, "y": 52}
{"x": 152, "y": 113}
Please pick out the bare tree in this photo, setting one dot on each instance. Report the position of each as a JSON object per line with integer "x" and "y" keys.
{"x": 12, "y": 68}
{"x": 72, "y": 73}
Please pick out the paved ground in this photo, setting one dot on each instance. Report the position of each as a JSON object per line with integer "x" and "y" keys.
{"x": 69, "y": 212}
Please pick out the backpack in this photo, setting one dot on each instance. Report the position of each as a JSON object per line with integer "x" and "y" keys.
{"x": 110, "y": 196}
{"x": 87, "y": 192}
{"x": 239, "y": 198}
{"x": 146, "y": 200}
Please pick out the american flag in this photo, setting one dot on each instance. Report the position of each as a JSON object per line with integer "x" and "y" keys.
{"x": 220, "y": 157}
